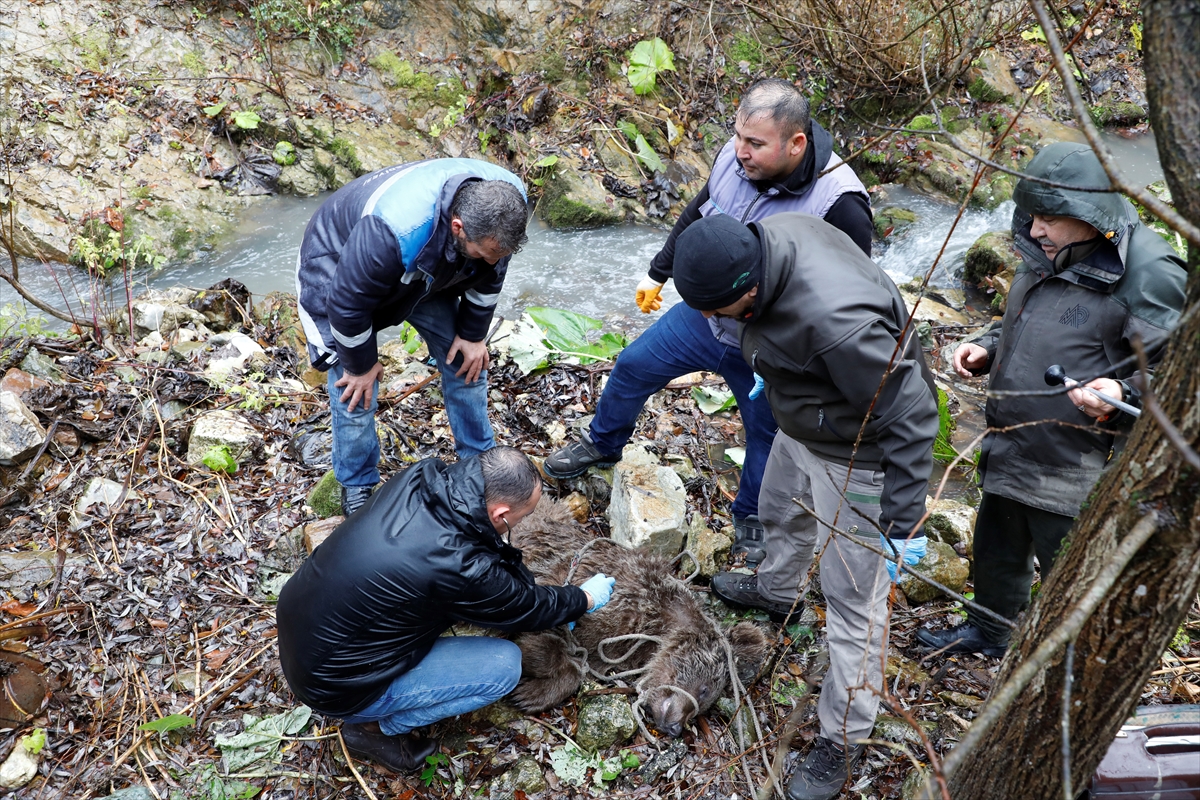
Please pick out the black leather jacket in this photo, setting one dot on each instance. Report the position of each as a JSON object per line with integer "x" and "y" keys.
{"x": 420, "y": 556}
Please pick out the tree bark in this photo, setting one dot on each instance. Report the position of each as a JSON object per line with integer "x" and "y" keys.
{"x": 1121, "y": 642}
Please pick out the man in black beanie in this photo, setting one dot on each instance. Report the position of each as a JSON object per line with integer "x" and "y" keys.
{"x": 822, "y": 325}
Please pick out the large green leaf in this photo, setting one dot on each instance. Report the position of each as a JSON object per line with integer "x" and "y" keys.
{"x": 261, "y": 738}
{"x": 527, "y": 346}
{"x": 169, "y": 723}
{"x": 648, "y": 58}
{"x": 713, "y": 399}
{"x": 565, "y": 330}
{"x": 646, "y": 155}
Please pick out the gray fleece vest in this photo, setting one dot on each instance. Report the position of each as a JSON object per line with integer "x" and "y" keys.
{"x": 731, "y": 192}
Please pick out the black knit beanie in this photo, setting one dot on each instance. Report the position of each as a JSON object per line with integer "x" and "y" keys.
{"x": 717, "y": 260}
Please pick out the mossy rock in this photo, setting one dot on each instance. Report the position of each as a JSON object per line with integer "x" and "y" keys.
{"x": 990, "y": 79}
{"x": 891, "y": 220}
{"x": 991, "y": 254}
{"x": 605, "y": 720}
{"x": 923, "y": 122}
{"x": 576, "y": 199}
{"x": 325, "y": 499}
{"x": 996, "y": 191}
{"x": 1118, "y": 113}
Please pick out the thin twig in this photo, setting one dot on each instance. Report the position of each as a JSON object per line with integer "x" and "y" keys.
{"x": 1068, "y": 682}
{"x": 353, "y": 769}
{"x": 1150, "y": 403}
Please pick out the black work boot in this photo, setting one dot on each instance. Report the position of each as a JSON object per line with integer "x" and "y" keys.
{"x": 824, "y": 770}
{"x": 965, "y": 638}
{"x": 748, "y": 541}
{"x": 403, "y": 753}
{"x": 574, "y": 459}
{"x": 354, "y": 497}
{"x": 741, "y": 591}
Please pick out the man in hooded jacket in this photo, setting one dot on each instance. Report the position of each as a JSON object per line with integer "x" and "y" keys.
{"x": 779, "y": 160}
{"x": 361, "y": 622}
{"x": 1093, "y": 281}
{"x": 825, "y": 327}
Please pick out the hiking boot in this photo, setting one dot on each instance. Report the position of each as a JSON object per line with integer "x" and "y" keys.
{"x": 403, "y": 753}
{"x": 965, "y": 638}
{"x": 354, "y": 497}
{"x": 741, "y": 591}
{"x": 824, "y": 770}
{"x": 574, "y": 459}
{"x": 748, "y": 541}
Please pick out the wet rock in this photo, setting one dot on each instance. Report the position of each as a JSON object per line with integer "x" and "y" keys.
{"x": 941, "y": 564}
{"x": 605, "y": 720}
{"x": 892, "y": 220}
{"x": 1117, "y": 112}
{"x": 647, "y": 508}
{"x": 19, "y": 381}
{"x": 498, "y": 714}
{"x": 325, "y": 499}
{"x": 150, "y": 316}
{"x": 317, "y": 532}
{"x": 897, "y": 730}
{"x": 990, "y": 79}
{"x": 932, "y": 311}
{"x": 991, "y": 254}
{"x": 225, "y": 305}
{"x": 682, "y": 465}
{"x": 952, "y": 522}
{"x": 231, "y": 352}
{"x": 99, "y": 491}
{"x": 525, "y": 776}
{"x": 228, "y": 429}
{"x": 661, "y": 762}
{"x": 19, "y": 768}
{"x": 711, "y": 548}
{"x": 20, "y": 432}
{"x": 579, "y": 506}
{"x": 577, "y": 199}
{"x": 40, "y": 365}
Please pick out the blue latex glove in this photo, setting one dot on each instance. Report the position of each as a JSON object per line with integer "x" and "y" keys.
{"x": 600, "y": 587}
{"x": 910, "y": 550}
{"x": 758, "y": 387}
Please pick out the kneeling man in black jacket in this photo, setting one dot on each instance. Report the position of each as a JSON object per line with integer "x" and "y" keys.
{"x": 361, "y": 623}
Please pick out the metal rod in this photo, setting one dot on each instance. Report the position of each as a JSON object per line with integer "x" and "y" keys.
{"x": 1055, "y": 376}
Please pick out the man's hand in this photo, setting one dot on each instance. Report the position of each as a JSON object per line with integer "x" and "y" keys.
{"x": 359, "y": 388}
{"x": 475, "y": 357}
{"x": 1091, "y": 405}
{"x": 969, "y": 358}
{"x": 648, "y": 298}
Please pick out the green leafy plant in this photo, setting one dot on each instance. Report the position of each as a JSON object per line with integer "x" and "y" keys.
{"x": 246, "y": 120}
{"x": 648, "y": 58}
{"x": 102, "y": 251}
{"x": 284, "y": 153}
{"x": 1034, "y": 34}
{"x": 208, "y": 784}
{"x": 332, "y": 24}
{"x": 219, "y": 459}
{"x": 172, "y": 722}
{"x": 430, "y": 773}
{"x": 543, "y": 335}
{"x": 645, "y": 153}
{"x": 34, "y": 742}
{"x": 713, "y": 399}
{"x": 1135, "y": 30}
{"x": 545, "y": 167}
{"x": 409, "y": 338}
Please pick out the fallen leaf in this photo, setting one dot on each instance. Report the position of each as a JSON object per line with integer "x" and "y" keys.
{"x": 18, "y": 609}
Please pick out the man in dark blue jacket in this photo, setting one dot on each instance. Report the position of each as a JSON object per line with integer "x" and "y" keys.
{"x": 427, "y": 243}
{"x": 361, "y": 622}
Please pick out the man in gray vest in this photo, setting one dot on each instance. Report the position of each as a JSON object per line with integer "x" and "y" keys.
{"x": 825, "y": 328}
{"x": 1094, "y": 279}
{"x": 778, "y": 160}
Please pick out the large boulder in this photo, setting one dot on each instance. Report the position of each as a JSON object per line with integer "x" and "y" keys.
{"x": 990, "y": 79}
{"x": 991, "y": 254}
{"x": 647, "y": 508}
{"x": 575, "y": 198}
{"x": 224, "y": 429}
{"x": 20, "y": 432}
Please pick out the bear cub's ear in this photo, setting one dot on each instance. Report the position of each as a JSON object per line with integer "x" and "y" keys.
{"x": 749, "y": 648}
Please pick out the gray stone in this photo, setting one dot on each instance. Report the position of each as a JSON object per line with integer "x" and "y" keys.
{"x": 20, "y": 432}
{"x": 726, "y": 707}
{"x": 224, "y": 428}
{"x": 932, "y": 311}
{"x": 132, "y": 793}
{"x": 605, "y": 720}
{"x": 941, "y": 564}
{"x": 682, "y": 465}
{"x": 577, "y": 199}
{"x": 647, "y": 508}
{"x": 897, "y": 730}
{"x": 914, "y": 782}
{"x": 20, "y": 571}
{"x": 525, "y": 775}
{"x": 99, "y": 491}
{"x": 710, "y": 547}
{"x": 952, "y": 522}
{"x": 232, "y": 351}
{"x": 150, "y": 316}
{"x": 41, "y": 365}
{"x": 990, "y": 79}
{"x": 19, "y": 768}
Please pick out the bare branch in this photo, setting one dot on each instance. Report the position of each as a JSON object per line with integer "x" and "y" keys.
{"x": 1150, "y": 403}
{"x": 1065, "y": 721}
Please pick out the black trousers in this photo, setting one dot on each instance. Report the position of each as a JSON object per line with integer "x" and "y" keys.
{"x": 1007, "y": 536}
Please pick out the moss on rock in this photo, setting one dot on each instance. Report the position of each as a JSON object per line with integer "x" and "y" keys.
{"x": 990, "y": 255}
{"x": 325, "y": 499}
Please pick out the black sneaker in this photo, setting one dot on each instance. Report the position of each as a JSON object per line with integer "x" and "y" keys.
{"x": 748, "y": 541}
{"x": 824, "y": 770}
{"x": 354, "y": 497}
{"x": 741, "y": 591}
{"x": 965, "y": 638}
{"x": 403, "y": 753}
{"x": 574, "y": 459}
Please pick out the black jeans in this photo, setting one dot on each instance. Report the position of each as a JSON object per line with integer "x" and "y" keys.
{"x": 1007, "y": 535}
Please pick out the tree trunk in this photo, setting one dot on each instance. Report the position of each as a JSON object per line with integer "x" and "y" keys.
{"x": 1121, "y": 642}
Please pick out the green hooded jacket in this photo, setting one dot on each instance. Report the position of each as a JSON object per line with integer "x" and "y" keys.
{"x": 1083, "y": 312}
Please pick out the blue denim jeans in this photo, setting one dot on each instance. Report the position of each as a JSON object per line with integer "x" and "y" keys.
{"x": 460, "y": 674}
{"x": 678, "y": 343}
{"x": 355, "y": 442}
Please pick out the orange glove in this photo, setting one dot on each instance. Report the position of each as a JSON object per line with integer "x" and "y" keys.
{"x": 648, "y": 298}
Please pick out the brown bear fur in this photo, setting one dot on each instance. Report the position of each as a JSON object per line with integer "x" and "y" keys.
{"x": 648, "y": 599}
